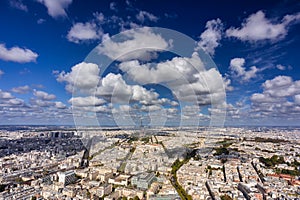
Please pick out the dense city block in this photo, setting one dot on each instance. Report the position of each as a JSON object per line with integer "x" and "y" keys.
{"x": 152, "y": 164}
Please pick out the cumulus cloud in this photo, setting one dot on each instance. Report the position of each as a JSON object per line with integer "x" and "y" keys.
{"x": 41, "y": 103}
{"x": 21, "y": 89}
{"x": 9, "y": 102}
{"x": 18, "y": 4}
{"x": 281, "y": 86}
{"x": 15, "y": 101}
{"x": 17, "y": 54}
{"x": 227, "y": 84}
{"x": 139, "y": 44}
{"x": 117, "y": 90}
{"x": 83, "y": 32}
{"x": 43, "y": 95}
{"x": 60, "y": 105}
{"x": 297, "y": 99}
{"x": 39, "y": 109}
{"x": 163, "y": 72}
{"x": 144, "y": 15}
{"x": 237, "y": 69}
{"x": 279, "y": 98}
{"x": 186, "y": 78}
{"x": 190, "y": 110}
{"x": 207, "y": 89}
{"x": 83, "y": 77}
{"x": 56, "y": 8}
{"x": 86, "y": 101}
{"x": 210, "y": 38}
{"x": 264, "y": 98}
{"x": 257, "y": 28}
{"x": 5, "y": 95}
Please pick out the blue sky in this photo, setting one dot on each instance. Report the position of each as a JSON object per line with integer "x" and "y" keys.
{"x": 47, "y": 78}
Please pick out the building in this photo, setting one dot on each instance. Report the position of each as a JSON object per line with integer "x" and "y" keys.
{"x": 165, "y": 197}
{"x": 143, "y": 181}
{"x": 67, "y": 177}
{"x": 104, "y": 174}
{"x": 119, "y": 180}
{"x": 102, "y": 190}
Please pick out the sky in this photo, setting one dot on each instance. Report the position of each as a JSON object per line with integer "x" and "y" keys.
{"x": 150, "y": 63}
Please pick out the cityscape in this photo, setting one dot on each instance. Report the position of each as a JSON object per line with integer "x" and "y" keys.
{"x": 149, "y": 100}
{"x": 160, "y": 163}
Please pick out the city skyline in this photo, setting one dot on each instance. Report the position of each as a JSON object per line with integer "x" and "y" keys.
{"x": 44, "y": 45}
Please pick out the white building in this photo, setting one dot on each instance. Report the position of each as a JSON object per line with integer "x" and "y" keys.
{"x": 67, "y": 177}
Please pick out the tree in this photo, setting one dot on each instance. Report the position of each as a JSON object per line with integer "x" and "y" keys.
{"x": 226, "y": 197}
{"x": 2, "y": 187}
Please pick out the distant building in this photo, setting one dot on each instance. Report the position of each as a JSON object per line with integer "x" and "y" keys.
{"x": 102, "y": 190}
{"x": 165, "y": 197}
{"x": 67, "y": 177}
{"x": 119, "y": 180}
{"x": 143, "y": 181}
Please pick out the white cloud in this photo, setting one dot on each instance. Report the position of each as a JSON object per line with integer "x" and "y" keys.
{"x": 281, "y": 86}
{"x": 190, "y": 110}
{"x": 84, "y": 31}
{"x": 60, "y": 105}
{"x": 263, "y": 98}
{"x": 18, "y": 4}
{"x": 1, "y": 73}
{"x": 171, "y": 70}
{"x": 210, "y": 38}
{"x": 142, "y": 16}
{"x": 185, "y": 77}
{"x": 280, "y": 67}
{"x": 40, "y": 21}
{"x": 280, "y": 99}
{"x": 14, "y": 110}
{"x": 56, "y": 8}
{"x": 150, "y": 108}
{"x": 117, "y": 90}
{"x": 113, "y": 6}
{"x": 100, "y": 17}
{"x": 86, "y": 101}
{"x": 41, "y": 103}
{"x": 140, "y": 44}
{"x": 83, "y": 77}
{"x": 82, "y": 110}
{"x": 227, "y": 84}
{"x": 257, "y": 27}
{"x": 297, "y": 99}
{"x": 207, "y": 89}
{"x": 16, "y": 101}
{"x": 43, "y": 95}
{"x": 295, "y": 18}
{"x": 17, "y": 54}
{"x": 237, "y": 69}
{"x": 21, "y": 89}
{"x": 5, "y": 95}
{"x": 123, "y": 109}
